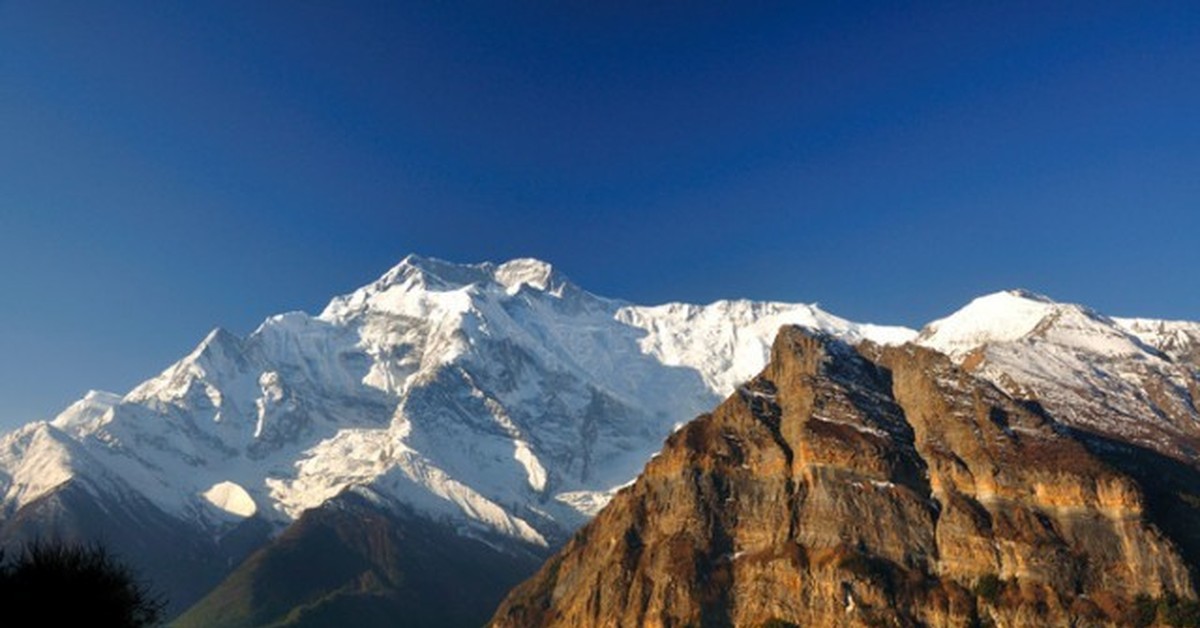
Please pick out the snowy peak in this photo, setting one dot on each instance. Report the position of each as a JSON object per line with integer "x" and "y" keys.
{"x": 220, "y": 356}
{"x": 1022, "y": 293}
{"x": 419, "y": 285}
{"x": 38, "y": 458}
{"x": 87, "y": 413}
{"x": 435, "y": 274}
{"x": 219, "y": 348}
{"x": 1133, "y": 379}
{"x": 1020, "y": 315}
{"x": 439, "y": 275}
{"x": 997, "y": 317}
{"x": 530, "y": 272}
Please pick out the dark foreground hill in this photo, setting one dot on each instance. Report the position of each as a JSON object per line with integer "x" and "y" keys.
{"x": 350, "y": 563}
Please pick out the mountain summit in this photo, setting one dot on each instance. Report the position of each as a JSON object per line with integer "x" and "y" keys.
{"x": 1135, "y": 379}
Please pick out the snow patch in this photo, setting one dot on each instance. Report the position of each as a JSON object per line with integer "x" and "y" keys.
{"x": 533, "y": 467}
{"x": 231, "y": 499}
{"x": 521, "y": 272}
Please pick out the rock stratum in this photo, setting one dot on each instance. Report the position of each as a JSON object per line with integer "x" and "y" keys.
{"x": 880, "y": 486}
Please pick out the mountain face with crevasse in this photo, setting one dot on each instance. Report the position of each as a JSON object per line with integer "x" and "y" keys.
{"x": 338, "y": 464}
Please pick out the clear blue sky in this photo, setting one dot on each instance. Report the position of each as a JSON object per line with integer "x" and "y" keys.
{"x": 167, "y": 167}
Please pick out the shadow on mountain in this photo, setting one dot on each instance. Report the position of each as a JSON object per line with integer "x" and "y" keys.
{"x": 1171, "y": 487}
{"x": 180, "y": 561}
{"x": 352, "y": 563}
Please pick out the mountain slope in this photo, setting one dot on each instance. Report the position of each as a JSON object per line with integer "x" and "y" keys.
{"x": 493, "y": 399}
{"x": 863, "y": 487}
{"x": 1136, "y": 380}
{"x": 348, "y": 562}
{"x": 171, "y": 559}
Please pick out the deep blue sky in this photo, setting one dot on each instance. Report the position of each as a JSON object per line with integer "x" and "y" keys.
{"x": 166, "y": 167}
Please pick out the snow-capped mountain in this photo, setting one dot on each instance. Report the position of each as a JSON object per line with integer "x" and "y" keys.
{"x": 501, "y": 402}
{"x": 500, "y": 397}
{"x": 1134, "y": 379}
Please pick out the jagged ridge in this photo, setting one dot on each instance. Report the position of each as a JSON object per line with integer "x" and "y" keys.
{"x": 868, "y": 487}
{"x": 491, "y": 398}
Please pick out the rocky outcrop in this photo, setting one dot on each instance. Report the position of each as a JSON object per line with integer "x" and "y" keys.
{"x": 862, "y": 487}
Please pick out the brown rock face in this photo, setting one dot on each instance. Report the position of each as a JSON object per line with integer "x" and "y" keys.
{"x": 863, "y": 487}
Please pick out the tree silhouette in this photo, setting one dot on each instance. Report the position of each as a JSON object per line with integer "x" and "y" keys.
{"x": 73, "y": 585}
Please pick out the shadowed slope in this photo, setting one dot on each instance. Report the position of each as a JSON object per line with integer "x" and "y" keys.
{"x": 350, "y": 563}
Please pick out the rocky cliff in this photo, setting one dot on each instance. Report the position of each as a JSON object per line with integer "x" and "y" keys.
{"x": 868, "y": 486}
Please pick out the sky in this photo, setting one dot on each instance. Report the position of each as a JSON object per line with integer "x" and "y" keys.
{"x": 166, "y": 168}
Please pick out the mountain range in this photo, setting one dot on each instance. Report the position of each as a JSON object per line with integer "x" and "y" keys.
{"x": 426, "y": 441}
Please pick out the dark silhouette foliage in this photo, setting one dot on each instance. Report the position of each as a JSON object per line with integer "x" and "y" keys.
{"x": 73, "y": 585}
